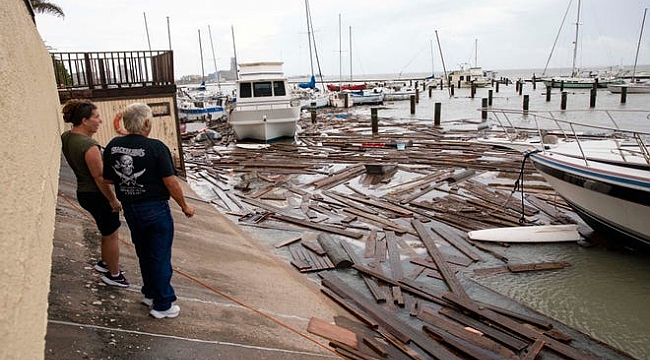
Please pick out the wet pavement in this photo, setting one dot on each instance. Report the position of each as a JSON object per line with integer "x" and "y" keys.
{"x": 237, "y": 301}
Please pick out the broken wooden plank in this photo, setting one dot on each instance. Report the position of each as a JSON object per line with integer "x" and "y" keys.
{"x": 370, "y": 242}
{"x": 288, "y": 241}
{"x": 494, "y": 349}
{"x": 332, "y": 332}
{"x": 531, "y": 352}
{"x": 375, "y": 290}
{"x": 312, "y": 225}
{"x": 441, "y": 263}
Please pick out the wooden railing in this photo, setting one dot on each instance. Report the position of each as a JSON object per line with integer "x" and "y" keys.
{"x": 112, "y": 70}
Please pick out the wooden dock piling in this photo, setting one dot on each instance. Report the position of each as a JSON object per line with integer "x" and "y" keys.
{"x": 490, "y": 92}
{"x": 497, "y": 87}
{"x": 412, "y": 104}
{"x": 592, "y": 97}
{"x": 484, "y": 105}
{"x": 526, "y": 103}
{"x": 451, "y": 90}
{"x": 623, "y": 94}
{"x": 436, "y": 113}
{"x": 374, "y": 120}
{"x": 548, "y": 93}
{"x": 563, "y": 101}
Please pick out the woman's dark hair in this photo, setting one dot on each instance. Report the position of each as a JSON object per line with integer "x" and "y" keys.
{"x": 76, "y": 110}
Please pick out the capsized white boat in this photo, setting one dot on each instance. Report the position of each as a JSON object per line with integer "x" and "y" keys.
{"x": 265, "y": 109}
{"x": 528, "y": 234}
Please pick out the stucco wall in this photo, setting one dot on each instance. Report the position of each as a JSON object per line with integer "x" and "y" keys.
{"x": 29, "y": 169}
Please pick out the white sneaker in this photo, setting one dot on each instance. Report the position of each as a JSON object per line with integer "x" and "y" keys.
{"x": 147, "y": 301}
{"x": 172, "y": 312}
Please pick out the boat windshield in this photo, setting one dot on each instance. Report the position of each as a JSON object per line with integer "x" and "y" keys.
{"x": 262, "y": 89}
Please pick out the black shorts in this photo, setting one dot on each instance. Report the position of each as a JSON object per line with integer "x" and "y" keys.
{"x": 99, "y": 207}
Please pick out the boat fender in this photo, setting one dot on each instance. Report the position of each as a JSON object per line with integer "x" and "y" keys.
{"x": 116, "y": 124}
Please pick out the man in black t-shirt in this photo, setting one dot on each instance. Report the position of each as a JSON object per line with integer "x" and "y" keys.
{"x": 143, "y": 173}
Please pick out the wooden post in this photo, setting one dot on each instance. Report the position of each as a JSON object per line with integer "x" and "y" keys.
{"x": 430, "y": 91}
{"x": 534, "y": 82}
{"x": 548, "y": 93}
{"x": 623, "y": 94}
{"x": 484, "y": 104}
{"x": 436, "y": 113}
{"x": 563, "y": 101}
{"x": 452, "y": 90}
{"x": 346, "y": 100}
{"x": 562, "y": 85}
{"x": 526, "y": 103}
{"x": 412, "y": 104}
{"x": 517, "y": 86}
{"x": 458, "y": 84}
{"x": 472, "y": 90}
{"x": 592, "y": 96}
{"x": 313, "y": 113}
{"x": 417, "y": 95}
{"x": 374, "y": 120}
{"x": 497, "y": 88}
{"x": 521, "y": 87}
{"x": 490, "y": 97}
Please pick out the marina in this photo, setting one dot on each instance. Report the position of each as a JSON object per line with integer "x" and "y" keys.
{"x": 278, "y": 200}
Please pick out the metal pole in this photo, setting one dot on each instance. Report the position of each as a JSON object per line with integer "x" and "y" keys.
{"x": 214, "y": 58}
{"x": 169, "y": 34}
{"x": 444, "y": 69}
{"x": 146, "y": 28}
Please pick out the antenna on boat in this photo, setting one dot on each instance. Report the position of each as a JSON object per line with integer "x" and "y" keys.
{"x": 146, "y": 28}
{"x": 214, "y": 58}
{"x": 443, "y": 61}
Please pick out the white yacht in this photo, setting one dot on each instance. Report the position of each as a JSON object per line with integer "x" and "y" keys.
{"x": 265, "y": 109}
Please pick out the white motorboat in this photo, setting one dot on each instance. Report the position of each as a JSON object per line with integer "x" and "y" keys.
{"x": 199, "y": 110}
{"x": 265, "y": 109}
{"x": 636, "y": 87}
{"x": 606, "y": 182}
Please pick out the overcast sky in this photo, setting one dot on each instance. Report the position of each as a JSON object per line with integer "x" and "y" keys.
{"x": 388, "y": 36}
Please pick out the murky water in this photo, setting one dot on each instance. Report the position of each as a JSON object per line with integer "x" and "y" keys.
{"x": 604, "y": 293}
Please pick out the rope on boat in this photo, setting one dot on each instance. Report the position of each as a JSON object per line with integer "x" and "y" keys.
{"x": 519, "y": 183}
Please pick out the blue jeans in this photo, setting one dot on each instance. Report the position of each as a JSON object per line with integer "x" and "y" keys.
{"x": 152, "y": 233}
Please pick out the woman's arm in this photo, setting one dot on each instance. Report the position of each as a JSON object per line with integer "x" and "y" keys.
{"x": 93, "y": 159}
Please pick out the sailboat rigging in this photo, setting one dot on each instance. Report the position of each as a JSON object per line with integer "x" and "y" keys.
{"x": 577, "y": 80}
{"x": 635, "y": 86}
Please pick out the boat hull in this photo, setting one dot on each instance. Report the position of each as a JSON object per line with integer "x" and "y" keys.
{"x": 264, "y": 122}
{"x": 612, "y": 203}
{"x": 575, "y": 83}
{"x": 631, "y": 89}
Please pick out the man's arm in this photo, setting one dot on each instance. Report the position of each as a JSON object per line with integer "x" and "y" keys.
{"x": 176, "y": 193}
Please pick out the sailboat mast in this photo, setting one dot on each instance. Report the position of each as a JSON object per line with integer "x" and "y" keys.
{"x": 340, "y": 58}
{"x": 444, "y": 69}
{"x": 146, "y": 28}
{"x": 575, "y": 44}
{"x": 475, "y": 52}
{"x": 350, "y": 35}
{"x": 636, "y": 57}
{"x": 432, "y": 63}
{"x": 214, "y": 58}
{"x": 311, "y": 59}
{"x": 234, "y": 50}
{"x": 201, "y": 51}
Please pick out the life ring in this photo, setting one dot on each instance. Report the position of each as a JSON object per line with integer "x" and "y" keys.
{"x": 116, "y": 124}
